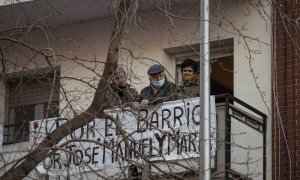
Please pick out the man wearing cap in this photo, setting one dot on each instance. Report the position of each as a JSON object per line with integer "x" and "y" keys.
{"x": 120, "y": 93}
{"x": 159, "y": 90}
{"x": 189, "y": 87}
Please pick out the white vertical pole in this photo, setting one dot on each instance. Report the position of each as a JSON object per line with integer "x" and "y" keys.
{"x": 205, "y": 171}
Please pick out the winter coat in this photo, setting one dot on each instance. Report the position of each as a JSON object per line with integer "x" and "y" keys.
{"x": 165, "y": 93}
{"x": 119, "y": 96}
{"x": 188, "y": 90}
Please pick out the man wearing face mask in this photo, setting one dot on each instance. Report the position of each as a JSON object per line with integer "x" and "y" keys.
{"x": 120, "y": 93}
{"x": 159, "y": 90}
{"x": 189, "y": 87}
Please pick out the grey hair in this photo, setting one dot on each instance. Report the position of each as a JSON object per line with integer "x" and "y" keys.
{"x": 119, "y": 70}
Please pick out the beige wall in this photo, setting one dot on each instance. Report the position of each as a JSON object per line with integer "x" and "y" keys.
{"x": 89, "y": 40}
{"x": 258, "y": 36}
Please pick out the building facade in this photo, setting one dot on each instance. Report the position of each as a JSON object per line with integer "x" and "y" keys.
{"x": 241, "y": 53}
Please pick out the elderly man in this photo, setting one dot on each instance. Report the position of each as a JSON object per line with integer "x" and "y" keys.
{"x": 159, "y": 90}
{"x": 120, "y": 93}
{"x": 190, "y": 85}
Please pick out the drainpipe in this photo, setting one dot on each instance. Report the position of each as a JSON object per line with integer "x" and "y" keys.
{"x": 205, "y": 168}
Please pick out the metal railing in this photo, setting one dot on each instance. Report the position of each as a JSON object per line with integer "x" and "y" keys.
{"x": 232, "y": 108}
{"x": 250, "y": 117}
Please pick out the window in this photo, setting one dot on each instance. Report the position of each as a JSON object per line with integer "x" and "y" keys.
{"x": 222, "y": 64}
{"x": 27, "y": 99}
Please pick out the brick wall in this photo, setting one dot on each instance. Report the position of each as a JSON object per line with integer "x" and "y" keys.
{"x": 286, "y": 105}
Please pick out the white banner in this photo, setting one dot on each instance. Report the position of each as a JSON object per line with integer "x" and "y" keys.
{"x": 169, "y": 131}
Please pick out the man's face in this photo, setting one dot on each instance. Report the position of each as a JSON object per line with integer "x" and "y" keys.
{"x": 188, "y": 73}
{"x": 120, "y": 80}
{"x": 157, "y": 77}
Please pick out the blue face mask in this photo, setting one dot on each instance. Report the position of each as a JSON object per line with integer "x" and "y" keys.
{"x": 159, "y": 83}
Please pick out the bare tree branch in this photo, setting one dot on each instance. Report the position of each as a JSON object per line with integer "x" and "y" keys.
{"x": 96, "y": 109}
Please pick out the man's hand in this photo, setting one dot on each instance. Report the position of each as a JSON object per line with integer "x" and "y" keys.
{"x": 136, "y": 105}
{"x": 145, "y": 102}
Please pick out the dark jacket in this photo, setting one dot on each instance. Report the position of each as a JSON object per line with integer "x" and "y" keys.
{"x": 120, "y": 96}
{"x": 166, "y": 93}
{"x": 189, "y": 90}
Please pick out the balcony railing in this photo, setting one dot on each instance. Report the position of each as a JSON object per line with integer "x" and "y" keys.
{"x": 241, "y": 150}
{"x": 240, "y": 139}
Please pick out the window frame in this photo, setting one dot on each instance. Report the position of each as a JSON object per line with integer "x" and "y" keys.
{"x": 36, "y": 76}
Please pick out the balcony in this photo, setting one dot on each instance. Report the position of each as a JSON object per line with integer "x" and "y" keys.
{"x": 241, "y": 146}
{"x": 238, "y": 142}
